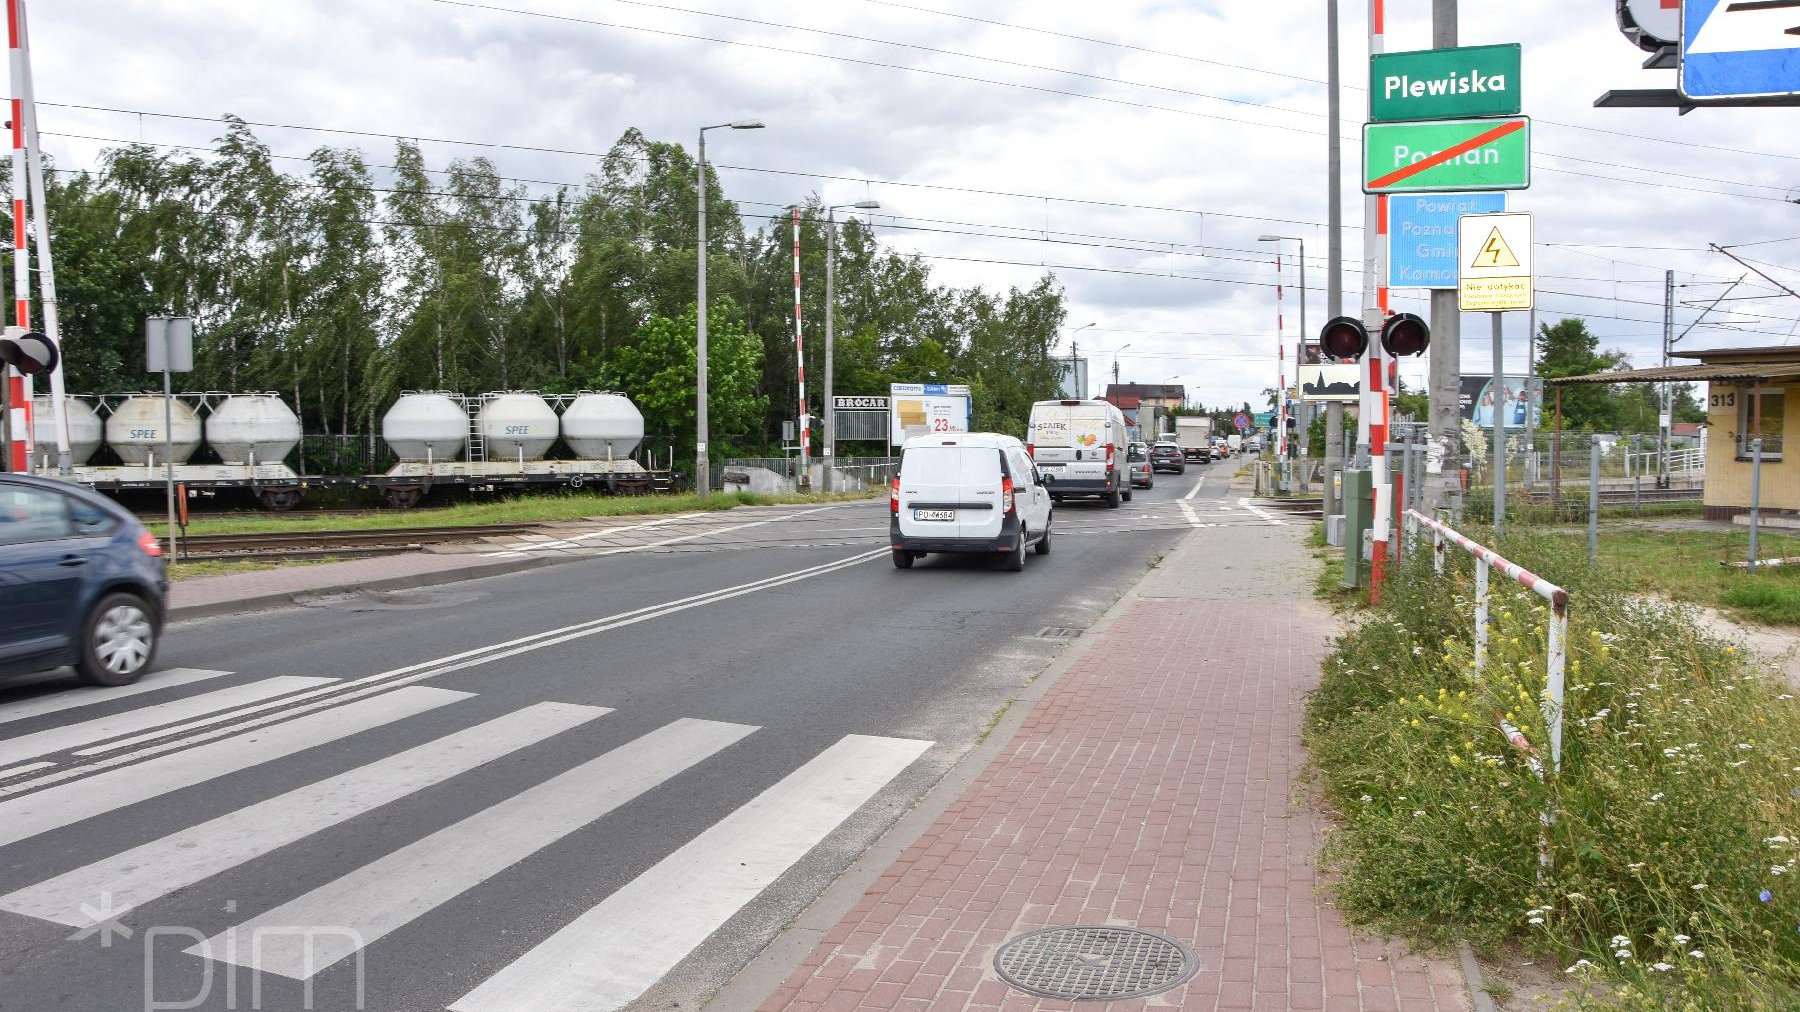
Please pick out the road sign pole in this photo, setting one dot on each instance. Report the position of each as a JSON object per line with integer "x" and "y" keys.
{"x": 1501, "y": 406}
{"x": 1444, "y": 415}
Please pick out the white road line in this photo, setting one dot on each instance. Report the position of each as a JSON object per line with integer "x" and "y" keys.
{"x": 1192, "y": 492}
{"x": 160, "y": 867}
{"x": 336, "y": 695}
{"x": 388, "y": 893}
{"x": 1193, "y": 518}
{"x": 611, "y": 954}
{"x": 62, "y": 739}
{"x": 66, "y": 804}
{"x": 167, "y": 678}
{"x": 600, "y": 532}
{"x": 1266, "y": 517}
{"x": 27, "y": 768}
{"x": 627, "y": 549}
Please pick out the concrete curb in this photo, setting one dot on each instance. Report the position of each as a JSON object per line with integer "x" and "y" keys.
{"x": 760, "y": 978}
{"x": 1473, "y": 979}
{"x": 409, "y": 582}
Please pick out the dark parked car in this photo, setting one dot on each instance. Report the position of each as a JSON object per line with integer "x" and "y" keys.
{"x": 1167, "y": 457}
{"x": 82, "y": 583}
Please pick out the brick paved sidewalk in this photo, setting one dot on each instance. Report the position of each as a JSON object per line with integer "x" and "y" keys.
{"x": 1152, "y": 786}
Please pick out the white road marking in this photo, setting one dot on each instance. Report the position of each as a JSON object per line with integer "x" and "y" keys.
{"x": 336, "y": 695}
{"x": 539, "y": 542}
{"x": 1192, "y": 492}
{"x": 27, "y": 768}
{"x": 155, "y": 869}
{"x": 611, "y": 954}
{"x": 69, "y": 736}
{"x": 707, "y": 533}
{"x": 167, "y": 678}
{"x": 390, "y": 892}
{"x": 1266, "y": 517}
{"x": 66, "y": 804}
{"x": 1193, "y": 518}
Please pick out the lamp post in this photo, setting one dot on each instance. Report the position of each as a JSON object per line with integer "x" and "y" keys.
{"x": 1300, "y": 349}
{"x": 1074, "y": 367}
{"x": 1115, "y": 356}
{"x": 831, "y": 237}
{"x": 702, "y": 465}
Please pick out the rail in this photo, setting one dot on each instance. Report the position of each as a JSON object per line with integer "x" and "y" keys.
{"x": 1551, "y": 704}
{"x": 316, "y": 544}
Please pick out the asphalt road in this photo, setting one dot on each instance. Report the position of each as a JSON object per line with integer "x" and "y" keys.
{"x": 556, "y": 789}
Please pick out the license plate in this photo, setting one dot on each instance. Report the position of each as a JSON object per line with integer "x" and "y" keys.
{"x": 934, "y": 514}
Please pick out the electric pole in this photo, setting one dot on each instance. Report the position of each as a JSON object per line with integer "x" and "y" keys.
{"x": 1444, "y": 419}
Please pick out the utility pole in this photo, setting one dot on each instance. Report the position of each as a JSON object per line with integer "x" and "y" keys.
{"x": 1444, "y": 419}
{"x": 1334, "y": 255}
{"x": 702, "y": 465}
{"x": 831, "y": 238}
{"x": 804, "y": 480}
{"x": 1666, "y": 415}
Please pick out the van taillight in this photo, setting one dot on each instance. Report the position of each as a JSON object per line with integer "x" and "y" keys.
{"x": 894, "y": 497}
{"x": 1031, "y": 450}
{"x": 1006, "y": 495}
{"x": 1109, "y": 456}
{"x": 151, "y": 546}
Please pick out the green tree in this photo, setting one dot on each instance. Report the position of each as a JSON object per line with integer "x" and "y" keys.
{"x": 658, "y": 369}
{"x": 1567, "y": 348}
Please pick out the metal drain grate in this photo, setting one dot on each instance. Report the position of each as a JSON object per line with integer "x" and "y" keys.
{"x": 1094, "y": 963}
{"x": 1058, "y": 632}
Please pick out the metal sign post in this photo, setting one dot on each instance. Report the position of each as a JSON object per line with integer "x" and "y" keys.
{"x": 169, "y": 348}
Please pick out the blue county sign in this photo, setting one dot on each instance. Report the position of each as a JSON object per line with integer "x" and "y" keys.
{"x": 1740, "y": 48}
{"x": 1422, "y": 235}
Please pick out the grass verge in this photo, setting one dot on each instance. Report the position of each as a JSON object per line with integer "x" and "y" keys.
{"x": 1685, "y": 566}
{"x": 545, "y": 508}
{"x": 1674, "y": 880}
{"x": 180, "y": 571}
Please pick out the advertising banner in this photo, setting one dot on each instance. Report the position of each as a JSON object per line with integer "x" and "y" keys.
{"x": 921, "y": 408}
{"x": 1478, "y": 402}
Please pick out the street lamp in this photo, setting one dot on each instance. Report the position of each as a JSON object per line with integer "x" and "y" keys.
{"x": 1115, "y": 356}
{"x": 702, "y": 466}
{"x": 1074, "y": 368}
{"x": 1300, "y": 353}
{"x": 830, "y": 333}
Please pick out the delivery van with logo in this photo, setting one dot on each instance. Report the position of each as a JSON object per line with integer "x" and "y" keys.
{"x": 1080, "y": 446}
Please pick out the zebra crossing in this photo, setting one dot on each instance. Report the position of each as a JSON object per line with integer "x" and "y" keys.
{"x": 604, "y": 958}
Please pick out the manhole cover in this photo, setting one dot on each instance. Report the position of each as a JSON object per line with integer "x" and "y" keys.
{"x": 1094, "y": 963}
{"x": 1057, "y": 632}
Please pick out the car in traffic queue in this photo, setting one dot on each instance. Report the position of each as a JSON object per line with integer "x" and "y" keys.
{"x": 1166, "y": 456}
{"x": 1081, "y": 444}
{"x": 968, "y": 493}
{"x": 82, "y": 583}
{"x": 1137, "y": 460}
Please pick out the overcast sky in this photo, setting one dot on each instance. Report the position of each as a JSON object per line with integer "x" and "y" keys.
{"x": 1137, "y": 148}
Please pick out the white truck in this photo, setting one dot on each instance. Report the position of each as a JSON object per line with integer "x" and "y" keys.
{"x": 1194, "y": 433}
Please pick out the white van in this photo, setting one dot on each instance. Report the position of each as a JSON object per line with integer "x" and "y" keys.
{"x": 967, "y": 492}
{"x": 1080, "y": 447}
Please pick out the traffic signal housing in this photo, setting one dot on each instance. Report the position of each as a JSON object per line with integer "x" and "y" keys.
{"x": 1344, "y": 337}
{"x": 1405, "y": 334}
{"x": 29, "y": 352}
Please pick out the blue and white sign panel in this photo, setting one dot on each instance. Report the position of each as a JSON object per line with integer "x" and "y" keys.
{"x": 1739, "y": 48}
{"x": 1422, "y": 235}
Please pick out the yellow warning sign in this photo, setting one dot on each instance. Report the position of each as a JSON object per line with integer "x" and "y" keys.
{"x": 1495, "y": 252}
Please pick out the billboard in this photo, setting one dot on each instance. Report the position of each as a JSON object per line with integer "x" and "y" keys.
{"x": 1478, "y": 400}
{"x": 921, "y": 408}
{"x": 1325, "y": 383}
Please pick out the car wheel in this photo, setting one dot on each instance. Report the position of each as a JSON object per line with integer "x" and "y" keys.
{"x": 902, "y": 559}
{"x": 1112, "y": 499}
{"x": 1015, "y": 559}
{"x": 118, "y": 641}
{"x": 1043, "y": 545}
{"x": 1126, "y": 496}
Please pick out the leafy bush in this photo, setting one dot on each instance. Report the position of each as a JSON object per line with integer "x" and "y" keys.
{"x": 1674, "y": 850}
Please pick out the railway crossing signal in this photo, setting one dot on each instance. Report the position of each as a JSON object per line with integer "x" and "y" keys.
{"x": 28, "y": 351}
{"x": 1345, "y": 337}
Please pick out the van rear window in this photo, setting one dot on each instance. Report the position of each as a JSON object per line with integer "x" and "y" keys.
{"x": 951, "y": 465}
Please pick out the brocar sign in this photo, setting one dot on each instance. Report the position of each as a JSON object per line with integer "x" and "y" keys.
{"x": 1473, "y": 81}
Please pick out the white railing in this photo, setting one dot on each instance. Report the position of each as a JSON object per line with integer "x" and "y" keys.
{"x": 1689, "y": 462}
{"x": 1486, "y": 560}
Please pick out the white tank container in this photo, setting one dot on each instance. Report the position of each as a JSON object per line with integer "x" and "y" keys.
{"x": 85, "y": 428}
{"x": 252, "y": 427}
{"x": 602, "y": 426}
{"x": 135, "y": 430}
{"x": 425, "y": 426}
{"x": 517, "y": 425}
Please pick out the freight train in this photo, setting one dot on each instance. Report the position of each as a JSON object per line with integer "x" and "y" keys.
{"x": 489, "y": 442}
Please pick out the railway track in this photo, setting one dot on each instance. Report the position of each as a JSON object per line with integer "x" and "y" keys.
{"x": 287, "y": 545}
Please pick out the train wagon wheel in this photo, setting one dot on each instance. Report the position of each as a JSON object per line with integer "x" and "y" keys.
{"x": 280, "y": 500}
{"x": 402, "y": 498}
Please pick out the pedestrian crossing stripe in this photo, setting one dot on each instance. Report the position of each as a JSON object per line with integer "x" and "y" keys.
{"x": 603, "y": 959}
